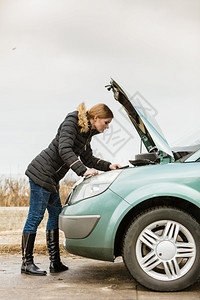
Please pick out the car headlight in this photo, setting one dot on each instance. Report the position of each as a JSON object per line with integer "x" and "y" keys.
{"x": 92, "y": 186}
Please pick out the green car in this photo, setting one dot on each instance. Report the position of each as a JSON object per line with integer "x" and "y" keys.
{"x": 148, "y": 213}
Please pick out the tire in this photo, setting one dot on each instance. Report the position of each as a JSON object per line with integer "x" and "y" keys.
{"x": 161, "y": 249}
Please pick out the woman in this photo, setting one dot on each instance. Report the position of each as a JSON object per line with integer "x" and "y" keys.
{"x": 70, "y": 149}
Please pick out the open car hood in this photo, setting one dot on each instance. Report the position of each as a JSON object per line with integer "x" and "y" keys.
{"x": 145, "y": 124}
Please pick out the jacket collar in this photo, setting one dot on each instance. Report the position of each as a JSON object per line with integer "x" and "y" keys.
{"x": 84, "y": 120}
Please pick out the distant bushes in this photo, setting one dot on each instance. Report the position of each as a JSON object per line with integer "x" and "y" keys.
{"x": 15, "y": 192}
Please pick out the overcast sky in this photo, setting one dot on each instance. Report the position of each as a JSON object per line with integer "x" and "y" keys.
{"x": 57, "y": 54}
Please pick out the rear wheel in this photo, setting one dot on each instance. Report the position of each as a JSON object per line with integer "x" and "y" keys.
{"x": 161, "y": 249}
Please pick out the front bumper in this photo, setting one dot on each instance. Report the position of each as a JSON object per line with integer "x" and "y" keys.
{"x": 90, "y": 225}
{"x": 78, "y": 227}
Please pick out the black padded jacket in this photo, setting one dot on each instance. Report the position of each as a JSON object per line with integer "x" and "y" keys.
{"x": 63, "y": 153}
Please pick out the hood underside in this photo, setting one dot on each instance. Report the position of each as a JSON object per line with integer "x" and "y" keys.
{"x": 145, "y": 124}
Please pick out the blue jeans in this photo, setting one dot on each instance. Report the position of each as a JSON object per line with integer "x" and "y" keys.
{"x": 40, "y": 199}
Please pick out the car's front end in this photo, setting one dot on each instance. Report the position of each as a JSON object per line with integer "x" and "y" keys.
{"x": 91, "y": 216}
{"x": 149, "y": 213}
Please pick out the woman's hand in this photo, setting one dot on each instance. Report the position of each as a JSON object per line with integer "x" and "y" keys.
{"x": 114, "y": 167}
{"x": 90, "y": 172}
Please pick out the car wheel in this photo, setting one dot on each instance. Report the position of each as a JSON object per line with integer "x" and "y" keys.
{"x": 161, "y": 249}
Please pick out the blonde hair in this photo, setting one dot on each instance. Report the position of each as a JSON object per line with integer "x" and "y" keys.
{"x": 100, "y": 110}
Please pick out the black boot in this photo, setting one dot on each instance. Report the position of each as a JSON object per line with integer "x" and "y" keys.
{"x": 54, "y": 252}
{"x": 28, "y": 266}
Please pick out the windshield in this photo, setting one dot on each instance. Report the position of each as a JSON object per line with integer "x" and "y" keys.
{"x": 187, "y": 145}
{"x": 189, "y": 139}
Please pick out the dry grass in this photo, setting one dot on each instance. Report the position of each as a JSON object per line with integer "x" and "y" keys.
{"x": 39, "y": 249}
{"x": 15, "y": 192}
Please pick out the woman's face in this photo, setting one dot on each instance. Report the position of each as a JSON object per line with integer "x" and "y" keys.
{"x": 101, "y": 124}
